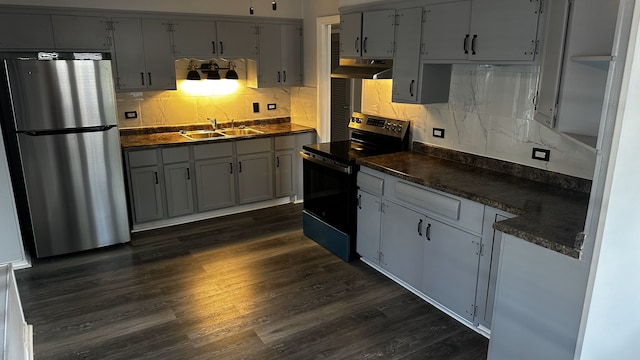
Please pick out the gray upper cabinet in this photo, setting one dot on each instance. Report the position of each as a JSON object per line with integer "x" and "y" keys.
{"x": 26, "y": 31}
{"x": 72, "y": 32}
{"x": 482, "y": 30}
{"x": 369, "y": 34}
{"x": 351, "y": 35}
{"x": 285, "y": 175}
{"x": 280, "y": 56}
{"x": 194, "y": 39}
{"x": 504, "y": 29}
{"x": 406, "y": 60}
{"x": 445, "y": 32}
{"x": 236, "y": 39}
{"x": 552, "y": 58}
{"x": 143, "y": 54}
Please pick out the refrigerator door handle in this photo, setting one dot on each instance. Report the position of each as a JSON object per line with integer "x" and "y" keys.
{"x": 68, "y": 131}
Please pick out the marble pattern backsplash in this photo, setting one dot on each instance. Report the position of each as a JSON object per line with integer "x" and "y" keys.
{"x": 194, "y": 101}
{"x": 489, "y": 113}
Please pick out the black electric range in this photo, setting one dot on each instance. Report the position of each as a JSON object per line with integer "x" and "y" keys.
{"x": 330, "y": 172}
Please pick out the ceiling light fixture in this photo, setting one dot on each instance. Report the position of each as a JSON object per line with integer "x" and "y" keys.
{"x": 251, "y": 7}
{"x": 213, "y": 71}
{"x": 274, "y": 6}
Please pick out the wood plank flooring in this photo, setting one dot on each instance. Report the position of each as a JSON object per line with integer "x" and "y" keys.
{"x": 246, "y": 286}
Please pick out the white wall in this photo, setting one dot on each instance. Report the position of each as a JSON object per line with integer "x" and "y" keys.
{"x": 313, "y": 9}
{"x": 10, "y": 238}
{"x": 611, "y": 326}
{"x": 262, "y": 8}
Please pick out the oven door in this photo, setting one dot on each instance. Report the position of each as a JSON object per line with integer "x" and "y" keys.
{"x": 329, "y": 190}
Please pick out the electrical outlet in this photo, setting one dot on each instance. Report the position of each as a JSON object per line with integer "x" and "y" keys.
{"x": 438, "y": 132}
{"x": 271, "y": 106}
{"x": 130, "y": 114}
{"x": 540, "y": 154}
{"x": 256, "y": 107}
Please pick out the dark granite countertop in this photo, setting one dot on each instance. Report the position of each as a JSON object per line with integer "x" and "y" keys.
{"x": 547, "y": 214}
{"x": 150, "y": 137}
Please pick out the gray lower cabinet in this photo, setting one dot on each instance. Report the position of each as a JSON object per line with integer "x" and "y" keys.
{"x": 255, "y": 170}
{"x": 538, "y": 303}
{"x": 179, "y": 189}
{"x": 368, "y": 226}
{"x": 450, "y": 267}
{"x": 401, "y": 243}
{"x": 144, "y": 185}
{"x": 285, "y": 165}
{"x": 215, "y": 176}
{"x": 442, "y": 246}
{"x": 177, "y": 180}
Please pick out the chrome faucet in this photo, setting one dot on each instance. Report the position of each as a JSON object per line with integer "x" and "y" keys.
{"x": 232, "y": 126}
{"x": 214, "y": 123}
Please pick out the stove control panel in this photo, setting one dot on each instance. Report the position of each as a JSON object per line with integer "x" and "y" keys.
{"x": 379, "y": 125}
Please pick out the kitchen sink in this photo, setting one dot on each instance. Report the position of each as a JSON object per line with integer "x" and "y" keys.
{"x": 240, "y": 131}
{"x": 201, "y": 134}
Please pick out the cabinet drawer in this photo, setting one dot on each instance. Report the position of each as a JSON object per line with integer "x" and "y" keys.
{"x": 208, "y": 151}
{"x": 449, "y": 208}
{"x": 253, "y": 146}
{"x": 175, "y": 154}
{"x": 370, "y": 183}
{"x": 285, "y": 142}
{"x": 143, "y": 158}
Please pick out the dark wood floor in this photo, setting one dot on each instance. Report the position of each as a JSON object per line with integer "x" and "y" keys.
{"x": 247, "y": 286}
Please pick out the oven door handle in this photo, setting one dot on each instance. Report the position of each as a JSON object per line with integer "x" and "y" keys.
{"x": 342, "y": 168}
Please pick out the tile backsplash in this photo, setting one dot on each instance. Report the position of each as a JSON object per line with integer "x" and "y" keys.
{"x": 194, "y": 101}
{"x": 489, "y": 113}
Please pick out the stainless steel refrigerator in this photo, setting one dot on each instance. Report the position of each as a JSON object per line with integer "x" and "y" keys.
{"x": 68, "y": 148}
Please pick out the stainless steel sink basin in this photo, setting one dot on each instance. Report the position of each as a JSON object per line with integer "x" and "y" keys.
{"x": 201, "y": 134}
{"x": 240, "y": 131}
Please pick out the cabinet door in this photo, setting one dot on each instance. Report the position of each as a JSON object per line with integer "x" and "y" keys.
{"x": 26, "y": 31}
{"x": 236, "y": 40}
{"x": 504, "y": 29}
{"x": 194, "y": 39}
{"x": 450, "y": 269}
{"x": 179, "y": 189}
{"x": 406, "y": 60}
{"x": 285, "y": 177}
{"x": 215, "y": 183}
{"x": 445, "y": 32}
{"x": 291, "y": 55}
{"x": 552, "y": 59}
{"x": 269, "y": 44}
{"x": 378, "y": 33}
{"x": 146, "y": 194}
{"x": 350, "y": 35}
{"x": 368, "y": 228}
{"x": 80, "y": 32}
{"x": 255, "y": 177}
{"x": 402, "y": 243}
{"x": 129, "y": 54}
{"x": 159, "y": 63}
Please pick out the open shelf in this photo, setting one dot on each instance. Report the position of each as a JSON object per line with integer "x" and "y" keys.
{"x": 587, "y": 141}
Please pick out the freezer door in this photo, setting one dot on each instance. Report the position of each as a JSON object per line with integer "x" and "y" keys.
{"x": 61, "y": 94}
{"x": 75, "y": 189}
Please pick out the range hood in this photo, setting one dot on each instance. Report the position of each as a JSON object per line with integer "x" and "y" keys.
{"x": 363, "y": 69}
